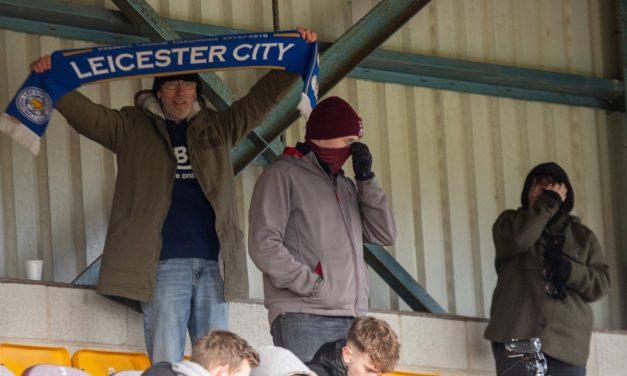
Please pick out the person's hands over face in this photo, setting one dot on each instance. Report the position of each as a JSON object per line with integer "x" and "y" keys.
{"x": 559, "y": 188}
{"x": 362, "y": 161}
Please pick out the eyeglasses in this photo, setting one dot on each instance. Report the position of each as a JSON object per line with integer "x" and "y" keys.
{"x": 187, "y": 85}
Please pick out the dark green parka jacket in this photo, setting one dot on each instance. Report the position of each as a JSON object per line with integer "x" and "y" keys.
{"x": 146, "y": 168}
{"x": 520, "y": 306}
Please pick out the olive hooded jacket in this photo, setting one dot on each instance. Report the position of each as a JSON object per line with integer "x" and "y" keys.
{"x": 146, "y": 169}
{"x": 521, "y": 307}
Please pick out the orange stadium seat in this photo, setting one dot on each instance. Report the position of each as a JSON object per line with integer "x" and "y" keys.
{"x": 105, "y": 363}
{"x": 17, "y": 358}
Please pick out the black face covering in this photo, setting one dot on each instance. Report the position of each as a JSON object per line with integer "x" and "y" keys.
{"x": 553, "y": 172}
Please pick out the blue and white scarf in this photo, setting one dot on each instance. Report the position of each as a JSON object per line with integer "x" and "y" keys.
{"x": 27, "y": 116}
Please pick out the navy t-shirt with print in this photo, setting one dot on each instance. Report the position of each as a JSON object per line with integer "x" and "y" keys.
{"x": 189, "y": 229}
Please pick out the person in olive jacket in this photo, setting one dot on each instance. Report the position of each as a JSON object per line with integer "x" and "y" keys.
{"x": 550, "y": 267}
{"x": 173, "y": 241}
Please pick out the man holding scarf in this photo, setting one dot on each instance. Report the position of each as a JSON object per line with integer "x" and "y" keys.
{"x": 174, "y": 242}
{"x": 308, "y": 223}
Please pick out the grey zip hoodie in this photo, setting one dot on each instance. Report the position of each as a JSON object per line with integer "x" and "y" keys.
{"x": 301, "y": 217}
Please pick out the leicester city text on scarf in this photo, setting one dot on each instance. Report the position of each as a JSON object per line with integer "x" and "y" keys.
{"x": 177, "y": 56}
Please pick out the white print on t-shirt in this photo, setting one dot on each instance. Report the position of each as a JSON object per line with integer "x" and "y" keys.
{"x": 184, "y": 167}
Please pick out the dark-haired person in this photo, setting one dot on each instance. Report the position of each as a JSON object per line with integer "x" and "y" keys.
{"x": 174, "y": 242}
{"x": 308, "y": 222}
{"x": 550, "y": 267}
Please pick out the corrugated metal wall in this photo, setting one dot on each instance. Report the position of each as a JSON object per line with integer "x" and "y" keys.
{"x": 450, "y": 162}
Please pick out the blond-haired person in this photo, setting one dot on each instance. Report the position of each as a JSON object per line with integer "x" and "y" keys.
{"x": 220, "y": 353}
{"x": 370, "y": 349}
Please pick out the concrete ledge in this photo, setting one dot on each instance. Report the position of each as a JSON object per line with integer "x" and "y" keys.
{"x": 63, "y": 315}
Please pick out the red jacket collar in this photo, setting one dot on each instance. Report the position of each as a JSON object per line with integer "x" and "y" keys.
{"x": 292, "y": 151}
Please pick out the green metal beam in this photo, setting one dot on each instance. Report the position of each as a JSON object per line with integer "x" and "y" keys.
{"x": 48, "y": 15}
{"x": 112, "y": 27}
{"x": 64, "y": 31}
{"x": 363, "y": 38}
{"x": 380, "y": 260}
{"x": 345, "y": 54}
{"x": 31, "y": 18}
{"x": 403, "y": 284}
{"x": 491, "y": 79}
{"x": 89, "y": 276}
{"x": 360, "y": 40}
{"x": 150, "y": 22}
{"x": 152, "y": 26}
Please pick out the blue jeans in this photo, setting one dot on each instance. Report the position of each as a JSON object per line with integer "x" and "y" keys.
{"x": 189, "y": 294}
{"x": 514, "y": 367}
{"x": 303, "y": 333}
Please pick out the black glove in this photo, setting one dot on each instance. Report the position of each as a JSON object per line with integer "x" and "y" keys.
{"x": 557, "y": 267}
{"x": 560, "y": 268}
{"x": 362, "y": 161}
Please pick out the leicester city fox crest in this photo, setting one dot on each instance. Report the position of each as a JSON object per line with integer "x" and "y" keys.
{"x": 35, "y": 104}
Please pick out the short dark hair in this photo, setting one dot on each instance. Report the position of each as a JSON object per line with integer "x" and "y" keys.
{"x": 193, "y": 77}
{"x": 223, "y": 348}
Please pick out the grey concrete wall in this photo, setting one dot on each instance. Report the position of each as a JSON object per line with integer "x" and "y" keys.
{"x": 32, "y": 313}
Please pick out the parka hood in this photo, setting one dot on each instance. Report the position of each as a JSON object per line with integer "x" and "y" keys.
{"x": 555, "y": 172}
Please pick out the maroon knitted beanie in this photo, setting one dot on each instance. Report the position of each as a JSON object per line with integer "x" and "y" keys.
{"x": 333, "y": 118}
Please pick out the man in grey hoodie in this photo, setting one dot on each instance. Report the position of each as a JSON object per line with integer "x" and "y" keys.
{"x": 308, "y": 223}
{"x": 221, "y": 353}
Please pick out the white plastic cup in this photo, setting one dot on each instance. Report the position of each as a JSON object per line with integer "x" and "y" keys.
{"x": 34, "y": 269}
